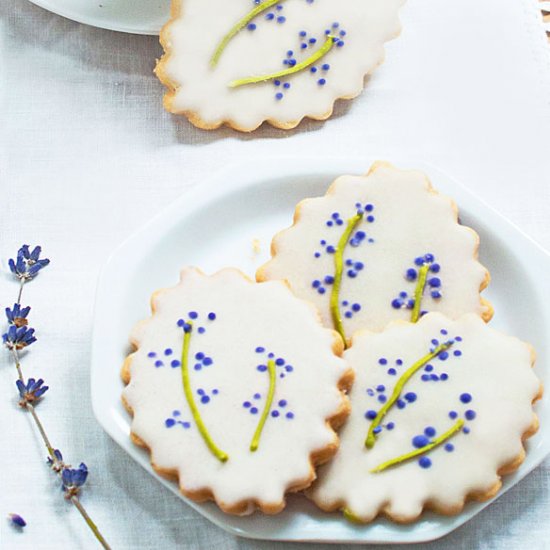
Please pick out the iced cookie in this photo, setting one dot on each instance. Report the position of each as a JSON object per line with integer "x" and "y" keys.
{"x": 440, "y": 410}
{"x": 235, "y": 388}
{"x": 244, "y": 62}
{"x": 378, "y": 248}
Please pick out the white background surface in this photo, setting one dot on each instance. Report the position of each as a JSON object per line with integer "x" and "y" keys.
{"x": 87, "y": 156}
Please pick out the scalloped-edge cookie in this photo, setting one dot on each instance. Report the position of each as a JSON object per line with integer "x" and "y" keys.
{"x": 245, "y": 62}
{"x": 377, "y": 248}
{"x": 235, "y": 389}
{"x": 440, "y": 411}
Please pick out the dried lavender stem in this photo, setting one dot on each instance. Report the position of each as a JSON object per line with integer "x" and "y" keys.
{"x": 91, "y": 524}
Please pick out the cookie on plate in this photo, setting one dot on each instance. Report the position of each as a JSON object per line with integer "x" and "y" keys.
{"x": 378, "y": 248}
{"x": 245, "y": 62}
{"x": 440, "y": 410}
{"x": 235, "y": 388}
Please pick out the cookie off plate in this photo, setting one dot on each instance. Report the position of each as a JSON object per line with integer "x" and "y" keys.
{"x": 245, "y": 205}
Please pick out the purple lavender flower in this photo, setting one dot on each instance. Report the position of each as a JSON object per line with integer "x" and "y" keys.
{"x": 32, "y": 391}
{"x": 56, "y": 465}
{"x": 73, "y": 479}
{"x": 17, "y": 521}
{"x": 27, "y": 264}
{"x": 18, "y": 337}
{"x": 17, "y": 315}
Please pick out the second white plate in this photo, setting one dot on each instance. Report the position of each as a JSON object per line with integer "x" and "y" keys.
{"x": 215, "y": 226}
{"x": 133, "y": 16}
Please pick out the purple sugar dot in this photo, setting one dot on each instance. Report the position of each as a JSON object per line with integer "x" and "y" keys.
{"x": 212, "y": 316}
{"x": 275, "y": 414}
{"x": 205, "y": 399}
{"x": 193, "y": 314}
{"x": 261, "y": 368}
{"x": 170, "y": 422}
{"x": 247, "y": 404}
{"x": 257, "y": 396}
{"x": 175, "y": 363}
{"x": 168, "y": 351}
{"x": 151, "y": 354}
{"x": 283, "y": 403}
{"x": 253, "y": 410}
{"x": 290, "y": 415}
{"x": 420, "y": 441}
{"x": 469, "y": 414}
{"x": 159, "y": 364}
{"x": 425, "y": 462}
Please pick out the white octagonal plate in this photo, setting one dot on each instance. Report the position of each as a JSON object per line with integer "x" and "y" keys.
{"x": 215, "y": 226}
{"x": 133, "y": 16}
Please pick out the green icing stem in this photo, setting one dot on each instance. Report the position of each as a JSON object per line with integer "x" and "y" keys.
{"x": 419, "y": 292}
{"x": 338, "y": 270}
{"x": 218, "y": 453}
{"x": 271, "y": 392}
{"x": 371, "y": 437}
{"x": 311, "y": 60}
{"x": 238, "y": 27}
{"x": 350, "y": 516}
{"x": 419, "y": 452}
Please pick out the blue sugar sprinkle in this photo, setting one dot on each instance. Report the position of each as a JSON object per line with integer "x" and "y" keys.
{"x": 444, "y": 332}
{"x": 275, "y": 414}
{"x": 470, "y": 415}
{"x": 200, "y": 392}
{"x": 420, "y": 441}
{"x": 282, "y": 403}
{"x": 356, "y": 307}
{"x": 392, "y": 372}
{"x": 207, "y": 361}
{"x": 247, "y": 404}
{"x": 401, "y": 404}
{"x": 198, "y": 366}
{"x": 202, "y": 330}
{"x": 279, "y": 96}
{"x": 168, "y": 351}
{"x": 212, "y": 316}
{"x": 176, "y": 413}
{"x": 383, "y": 361}
{"x": 444, "y": 376}
{"x": 410, "y": 397}
{"x": 253, "y": 410}
{"x": 175, "y": 363}
{"x": 382, "y": 398}
{"x": 457, "y": 353}
{"x": 428, "y": 368}
{"x": 170, "y": 422}
{"x": 424, "y": 462}
{"x": 377, "y": 430}
{"x": 465, "y": 398}
{"x": 199, "y": 356}
{"x": 390, "y": 426}
{"x": 159, "y": 364}
{"x": 193, "y": 314}
{"x": 290, "y": 415}
{"x": 151, "y": 354}
{"x": 260, "y": 349}
{"x": 289, "y": 368}
{"x": 205, "y": 399}
{"x": 279, "y": 361}
{"x": 466, "y": 430}
{"x": 257, "y": 396}
{"x": 261, "y": 368}
{"x": 380, "y": 388}
{"x": 449, "y": 447}
{"x": 453, "y": 414}
{"x": 411, "y": 274}
{"x": 399, "y": 362}
{"x": 443, "y": 356}
{"x": 425, "y": 377}
{"x": 371, "y": 415}
{"x": 429, "y": 431}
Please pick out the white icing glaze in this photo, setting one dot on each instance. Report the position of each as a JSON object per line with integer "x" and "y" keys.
{"x": 411, "y": 220}
{"x": 192, "y": 38}
{"x": 494, "y": 368}
{"x": 247, "y": 315}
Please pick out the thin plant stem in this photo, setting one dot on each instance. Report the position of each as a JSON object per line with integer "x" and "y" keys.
{"x": 89, "y": 521}
{"x": 21, "y": 285}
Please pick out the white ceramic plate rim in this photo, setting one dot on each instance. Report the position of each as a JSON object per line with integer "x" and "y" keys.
{"x": 243, "y": 176}
{"x": 76, "y": 15}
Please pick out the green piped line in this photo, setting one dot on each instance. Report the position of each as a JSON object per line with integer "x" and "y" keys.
{"x": 371, "y": 437}
{"x": 217, "y": 452}
{"x": 338, "y": 271}
{"x": 269, "y": 401}
{"x": 319, "y": 54}
{"x": 419, "y": 292}
{"x": 350, "y": 516}
{"x": 238, "y": 27}
{"x": 419, "y": 452}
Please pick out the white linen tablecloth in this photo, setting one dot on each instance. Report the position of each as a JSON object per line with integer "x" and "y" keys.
{"x": 87, "y": 156}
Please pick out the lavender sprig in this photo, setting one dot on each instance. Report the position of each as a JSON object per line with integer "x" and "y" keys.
{"x": 18, "y": 337}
